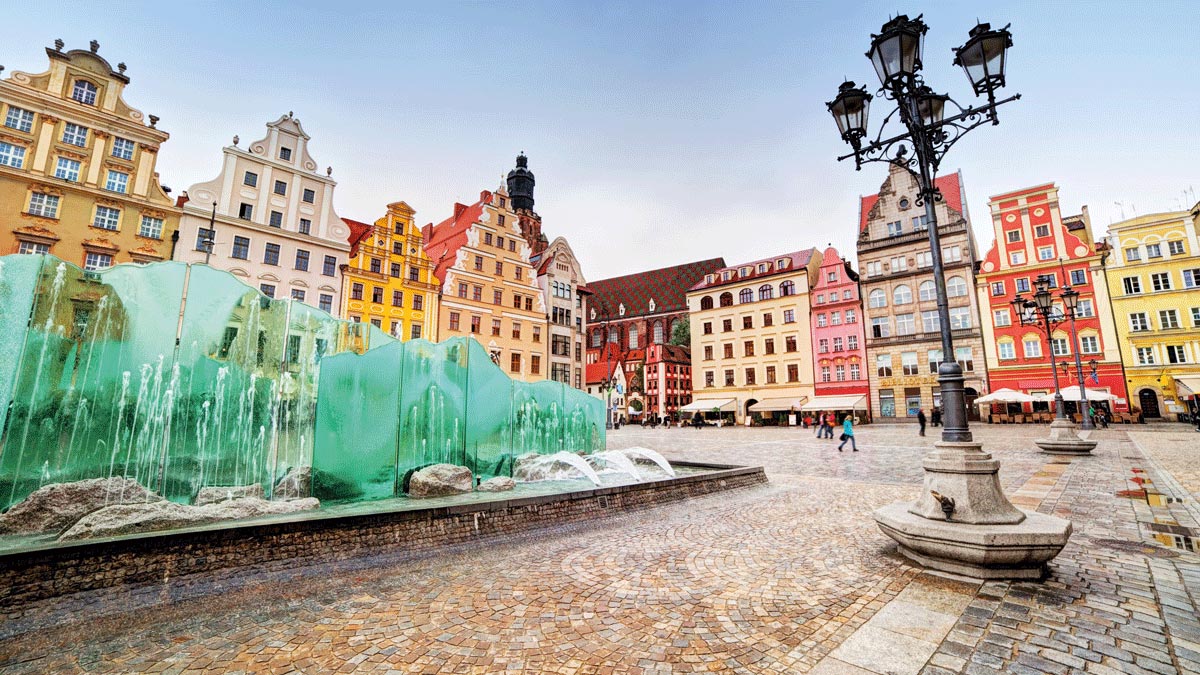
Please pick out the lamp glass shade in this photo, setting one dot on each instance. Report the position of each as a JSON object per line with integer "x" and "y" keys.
{"x": 931, "y": 106}
{"x": 1042, "y": 283}
{"x": 850, "y": 109}
{"x": 1043, "y": 299}
{"x": 1070, "y": 297}
{"x": 983, "y": 57}
{"x": 896, "y": 52}
{"x": 1018, "y": 305}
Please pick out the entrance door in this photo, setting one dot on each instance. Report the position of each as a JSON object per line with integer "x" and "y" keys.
{"x": 1148, "y": 402}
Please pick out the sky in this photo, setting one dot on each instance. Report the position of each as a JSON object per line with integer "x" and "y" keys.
{"x": 660, "y": 132}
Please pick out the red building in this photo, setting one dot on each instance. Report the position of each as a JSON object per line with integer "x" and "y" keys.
{"x": 668, "y": 379}
{"x": 1033, "y": 239}
{"x": 838, "y": 338}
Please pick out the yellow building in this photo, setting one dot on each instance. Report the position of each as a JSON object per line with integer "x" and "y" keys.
{"x": 77, "y": 166}
{"x": 752, "y": 339}
{"x": 389, "y": 280}
{"x": 1153, "y": 276}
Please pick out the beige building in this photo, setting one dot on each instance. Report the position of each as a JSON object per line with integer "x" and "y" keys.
{"x": 269, "y": 215}
{"x": 566, "y": 296}
{"x": 77, "y": 166}
{"x": 751, "y": 337}
{"x": 896, "y": 281}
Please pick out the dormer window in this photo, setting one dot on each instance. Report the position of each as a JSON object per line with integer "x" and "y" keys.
{"x": 285, "y": 154}
{"x": 782, "y": 263}
{"x": 84, "y": 92}
{"x": 743, "y": 271}
{"x": 762, "y": 268}
{"x": 708, "y": 278}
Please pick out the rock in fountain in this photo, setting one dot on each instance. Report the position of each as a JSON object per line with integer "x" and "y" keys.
{"x": 214, "y": 495}
{"x": 497, "y": 484}
{"x": 54, "y": 507}
{"x": 295, "y": 484}
{"x": 119, "y": 519}
{"x": 440, "y": 480}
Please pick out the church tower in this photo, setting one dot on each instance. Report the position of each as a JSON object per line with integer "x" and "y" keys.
{"x": 520, "y": 185}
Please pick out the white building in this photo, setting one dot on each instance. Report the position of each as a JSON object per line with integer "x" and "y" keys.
{"x": 274, "y": 224}
{"x": 565, "y": 291}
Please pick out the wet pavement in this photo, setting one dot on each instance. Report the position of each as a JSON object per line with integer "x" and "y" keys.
{"x": 789, "y": 577}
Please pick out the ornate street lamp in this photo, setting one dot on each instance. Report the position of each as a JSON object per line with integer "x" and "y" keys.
{"x": 1070, "y": 298}
{"x": 1041, "y": 313}
{"x": 950, "y": 526}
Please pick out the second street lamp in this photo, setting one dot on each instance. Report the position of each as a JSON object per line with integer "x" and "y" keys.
{"x": 1070, "y": 298}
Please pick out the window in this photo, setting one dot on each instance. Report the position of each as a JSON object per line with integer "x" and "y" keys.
{"x": 768, "y": 319}
{"x": 1013, "y": 236}
{"x": 1085, "y": 308}
{"x": 1078, "y": 277}
{"x": 924, "y": 259}
{"x": 887, "y": 403}
{"x": 930, "y": 321}
{"x": 151, "y": 227}
{"x": 475, "y": 324}
{"x": 851, "y": 316}
{"x": 1016, "y": 258}
{"x": 415, "y": 331}
{"x": 11, "y": 155}
{"x": 1041, "y": 231}
{"x": 997, "y": 288}
{"x": 726, "y": 325}
{"x": 1161, "y": 281}
{"x": 789, "y": 316}
{"x": 727, "y": 350}
{"x": 414, "y": 274}
{"x": 118, "y": 181}
{"x": 852, "y": 342}
{"x": 750, "y": 376}
{"x": 298, "y": 295}
{"x": 729, "y": 378}
{"x": 855, "y": 372}
{"x": 106, "y": 218}
{"x": 935, "y": 360}
{"x": 1139, "y": 321}
{"x": 823, "y": 346}
{"x": 73, "y": 134}
{"x": 516, "y": 330}
{"x": 708, "y": 352}
{"x": 956, "y": 287}
{"x": 267, "y": 290}
{"x": 835, "y": 318}
{"x": 952, "y": 254}
{"x": 250, "y": 178}
{"x": 837, "y": 344}
{"x": 898, "y": 264}
{"x": 880, "y": 327}
{"x": 1007, "y": 350}
{"x": 825, "y": 373}
{"x": 965, "y": 358}
{"x": 285, "y": 154}
{"x": 1168, "y": 319}
{"x": 769, "y": 346}
{"x": 241, "y": 248}
{"x": 535, "y": 364}
{"x": 883, "y": 365}
{"x": 770, "y": 374}
{"x": 747, "y": 322}
{"x": 1153, "y": 250}
{"x": 309, "y": 196}
{"x": 1175, "y": 354}
{"x": 44, "y": 205}
{"x": 280, "y": 187}
{"x": 895, "y": 229}
{"x": 19, "y": 119}
{"x": 204, "y": 237}
{"x": 1191, "y": 278}
{"x": 329, "y": 266}
{"x": 1145, "y": 356}
{"x": 766, "y": 292}
{"x": 1133, "y": 254}
{"x": 745, "y": 295}
{"x": 418, "y": 301}
{"x": 876, "y": 299}
{"x": 246, "y": 211}
{"x": 905, "y": 324}
{"x": 920, "y": 223}
{"x": 1023, "y": 285}
{"x": 271, "y": 254}
{"x": 908, "y": 363}
{"x": 1033, "y": 348}
{"x": 97, "y": 261}
{"x": 454, "y": 320}
{"x": 902, "y": 295}
{"x": 707, "y": 328}
{"x": 874, "y": 268}
{"x": 786, "y": 289}
{"x": 1175, "y": 247}
{"x": 1133, "y": 285}
{"x": 477, "y": 293}
{"x": 708, "y": 378}
{"x": 1045, "y": 253}
{"x": 398, "y": 300}
{"x": 67, "y": 169}
{"x": 1089, "y": 344}
{"x": 960, "y": 318}
{"x": 793, "y": 372}
{"x": 789, "y": 343}
{"x": 821, "y": 321}
{"x": 462, "y": 290}
{"x": 1059, "y": 347}
{"x": 29, "y": 247}
{"x": 1001, "y": 318}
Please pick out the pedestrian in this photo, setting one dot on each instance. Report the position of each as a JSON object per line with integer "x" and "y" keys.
{"x": 848, "y": 434}
{"x": 819, "y": 423}
{"x": 807, "y": 421}
{"x": 935, "y": 417}
{"x": 830, "y": 420}
{"x": 921, "y": 422}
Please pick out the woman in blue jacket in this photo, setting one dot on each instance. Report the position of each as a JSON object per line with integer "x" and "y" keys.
{"x": 848, "y": 434}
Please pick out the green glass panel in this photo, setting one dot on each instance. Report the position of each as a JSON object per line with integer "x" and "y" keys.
{"x": 537, "y": 417}
{"x": 18, "y": 279}
{"x": 584, "y": 429}
{"x": 489, "y": 424}
{"x": 433, "y": 404}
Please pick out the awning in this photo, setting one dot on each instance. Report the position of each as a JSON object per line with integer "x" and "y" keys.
{"x": 1073, "y": 394}
{"x": 847, "y": 402}
{"x": 775, "y": 404}
{"x": 1187, "y": 386}
{"x": 707, "y": 404}
{"x": 1005, "y": 396}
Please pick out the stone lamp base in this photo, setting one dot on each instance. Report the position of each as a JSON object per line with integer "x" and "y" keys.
{"x": 962, "y": 522}
{"x": 1064, "y": 441}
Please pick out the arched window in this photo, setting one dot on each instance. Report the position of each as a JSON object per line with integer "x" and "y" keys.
{"x": 787, "y": 288}
{"x": 727, "y": 299}
{"x": 658, "y": 332}
{"x": 902, "y": 295}
{"x": 612, "y": 334}
{"x": 877, "y": 298}
{"x": 706, "y": 302}
{"x": 746, "y": 295}
{"x": 597, "y": 337}
{"x": 84, "y": 92}
{"x": 927, "y": 291}
{"x": 765, "y": 292}
{"x": 633, "y": 336}
{"x": 956, "y": 287}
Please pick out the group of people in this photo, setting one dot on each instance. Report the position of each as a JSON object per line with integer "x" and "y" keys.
{"x": 935, "y": 418}
{"x": 824, "y": 423}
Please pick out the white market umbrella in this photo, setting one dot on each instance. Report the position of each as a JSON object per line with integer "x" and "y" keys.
{"x": 1006, "y": 396}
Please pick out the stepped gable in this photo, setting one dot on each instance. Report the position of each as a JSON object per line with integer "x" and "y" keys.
{"x": 443, "y": 240}
{"x": 668, "y": 288}
{"x": 950, "y": 187}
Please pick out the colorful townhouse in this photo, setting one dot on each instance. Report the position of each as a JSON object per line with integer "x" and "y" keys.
{"x": 903, "y": 330}
{"x": 78, "y": 174}
{"x": 1153, "y": 278}
{"x": 838, "y": 339}
{"x": 389, "y": 280}
{"x": 489, "y": 289}
{"x": 668, "y": 380}
{"x": 751, "y": 338}
{"x": 1033, "y": 238}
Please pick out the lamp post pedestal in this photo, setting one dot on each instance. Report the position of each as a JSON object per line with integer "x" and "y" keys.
{"x": 1064, "y": 441}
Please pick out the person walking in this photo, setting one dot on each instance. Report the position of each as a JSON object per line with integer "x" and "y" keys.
{"x": 935, "y": 417}
{"x": 819, "y": 423}
{"x": 848, "y": 434}
{"x": 827, "y": 422}
{"x": 921, "y": 421}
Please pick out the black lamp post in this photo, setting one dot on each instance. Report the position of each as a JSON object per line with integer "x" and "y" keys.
{"x": 897, "y": 53}
{"x": 1045, "y": 316}
{"x": 609, "y": 378}
{"x": 1070, "y": 298}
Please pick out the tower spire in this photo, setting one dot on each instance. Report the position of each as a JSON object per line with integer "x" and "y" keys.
{"x": 520, "y": 184}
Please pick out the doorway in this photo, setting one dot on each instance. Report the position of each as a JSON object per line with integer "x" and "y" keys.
{"x": 1148, "y": 402}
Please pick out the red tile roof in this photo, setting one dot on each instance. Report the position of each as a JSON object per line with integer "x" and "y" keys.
{"x": 950, "y": 187}
{"x": 598, "y": 372}
{"x": 358, "y": 232}
{"x": 443, "y": 240}
{"x": 667, "y": 287}
{"x": 799, "y": 259}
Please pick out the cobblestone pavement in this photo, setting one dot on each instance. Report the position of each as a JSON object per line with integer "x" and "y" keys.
{"x": 790, "y": 577}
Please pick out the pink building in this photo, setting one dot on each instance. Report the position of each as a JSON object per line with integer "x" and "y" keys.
{"x": 839, "y": 344}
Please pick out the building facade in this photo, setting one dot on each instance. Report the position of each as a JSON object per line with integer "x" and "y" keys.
{"x": 608, "y": 380}
{"x": 489, "y": 289}
{"x": 1033, "y": 238}
{"x": 904, "y": 347}
{"x": 389, "y": 279}
{"x": 77, "y": 166}
{"x": 838, "y": 339}
{"x": 751, "y": 336}
{"x": 1153, "y": 278}
{"x": 268, "y": 219}
{"x": 566, "y": 294}
{"x": 667, "y": 374}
